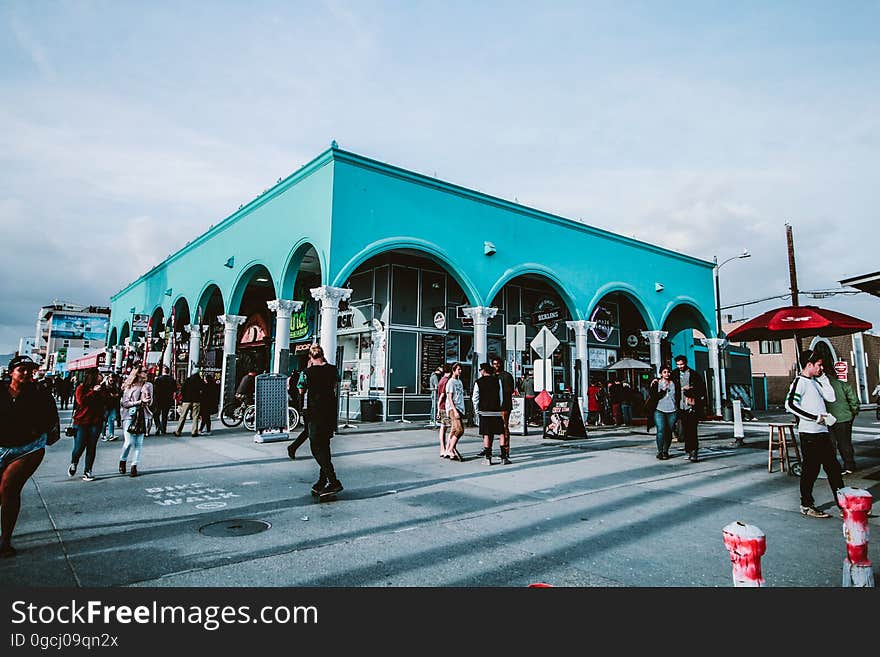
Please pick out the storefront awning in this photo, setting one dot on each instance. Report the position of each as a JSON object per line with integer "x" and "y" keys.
{"x": 94, "y": 359}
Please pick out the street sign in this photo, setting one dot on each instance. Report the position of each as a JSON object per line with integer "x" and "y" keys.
{"x": 841, "y": 368}
{"x": 543, "y": 400}
{"x": 542, "y": 371}
{"x": 516, "y": 337}
{"x": 545, "y": 342}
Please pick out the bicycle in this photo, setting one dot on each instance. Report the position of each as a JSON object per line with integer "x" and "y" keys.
{"x": 233, "y": 412}
{"x": 240, "y": 411}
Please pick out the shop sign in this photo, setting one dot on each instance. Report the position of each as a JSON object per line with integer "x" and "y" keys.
{"x": 606, "y": 331}
{"x": 139, "y": 323}
{"x": 255, "y": 332}
{"x": 547, "y": 313}
{"x": 345, "y": 319}
{"x": 302, "y": 322}
{"x": 440, "y": 319}
{"x": 841, "y": 368}
{"x": 632, "y": 340}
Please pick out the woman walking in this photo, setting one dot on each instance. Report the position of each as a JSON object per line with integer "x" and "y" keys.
{"x": 133, "y": 404}
{"x": 91, "y": 402}
{"x": 661, "y": 407}
{"x": 28, "y": 422}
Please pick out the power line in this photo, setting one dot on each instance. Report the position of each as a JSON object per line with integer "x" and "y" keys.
{"x": 815, "y": 294}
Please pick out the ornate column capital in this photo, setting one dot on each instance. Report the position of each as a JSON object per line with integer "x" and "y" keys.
{"x": 330, "y": 296}
{"x": 480, "y": 314}
{"x": 654, "y": 336}
{"x": 714, "y": 343}
{"x": 193, "y": 328}
{"x": 284, "y": 307}
{"x": 231, "y": 322}
{"x": 580, "y": 326}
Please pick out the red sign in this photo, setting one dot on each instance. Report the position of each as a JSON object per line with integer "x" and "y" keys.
{"x": 543, "y": 400}
{"x": 841, "y": 367}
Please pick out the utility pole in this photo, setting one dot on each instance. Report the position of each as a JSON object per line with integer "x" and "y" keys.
{"x": 792, "y": 274}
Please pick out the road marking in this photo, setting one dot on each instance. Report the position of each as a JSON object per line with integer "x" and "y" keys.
{"x": 210, "y": 505}
{"x": 194, "y": 493}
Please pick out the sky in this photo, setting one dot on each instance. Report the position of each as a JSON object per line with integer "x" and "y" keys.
{"x": 128, "y": 128}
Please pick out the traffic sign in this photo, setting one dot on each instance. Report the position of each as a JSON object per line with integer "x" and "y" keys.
{"x": 543, "y": 400}
{"x": 516, "y": 337}
{"x": 545, "y": 342}
{"x": 841, "y": 368}
{"x": 542, "y": 370}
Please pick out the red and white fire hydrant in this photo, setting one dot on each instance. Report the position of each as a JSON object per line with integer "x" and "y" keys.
{"x": 856, "y": 505}
{"x": 746, "y": 544}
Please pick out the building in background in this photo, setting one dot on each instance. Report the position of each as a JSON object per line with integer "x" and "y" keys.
{"x": 66, "y": 331}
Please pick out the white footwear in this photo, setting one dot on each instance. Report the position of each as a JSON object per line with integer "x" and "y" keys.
{"x": 71, "y": 469}
{"x": 87, "y": 476}
{"x": 813, "y": 512}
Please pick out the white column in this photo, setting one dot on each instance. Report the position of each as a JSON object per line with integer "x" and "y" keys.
{"x": 168, "y": 357}
{"x": 195, "y": 337}
{"x": 120, "y": 353}
{"x": 230, "y": 340}
{"x": 581, "y": 328}
{"x": 329, "y": 298}
{"x": 481, "y": 316}
{"x": 714, "y": 344}
{"x": 283, "y": 308}
{"x": 858, "y": 343}
{"x": 654, "y": 338}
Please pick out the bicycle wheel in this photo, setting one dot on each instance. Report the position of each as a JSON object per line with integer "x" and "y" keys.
{"x": 250, "y": 418}
{"x": 231, "y": 415}
{"x": 292, "y": 417}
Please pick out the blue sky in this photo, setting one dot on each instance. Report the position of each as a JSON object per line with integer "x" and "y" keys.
{"x": 128, "y": 128}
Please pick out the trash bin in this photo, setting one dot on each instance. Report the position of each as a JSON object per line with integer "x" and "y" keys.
{"x": 371, "y": 409}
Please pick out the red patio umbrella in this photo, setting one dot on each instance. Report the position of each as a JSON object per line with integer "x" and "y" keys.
{"x": 797, "y": 321}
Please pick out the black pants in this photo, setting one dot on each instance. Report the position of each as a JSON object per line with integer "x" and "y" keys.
{"x": 818, "y": 451}
{"x": 688, "y": 421}
{"x": 841, "y": 437}
{"x": 162, "y": 418}
{"x": 320, "y": 433}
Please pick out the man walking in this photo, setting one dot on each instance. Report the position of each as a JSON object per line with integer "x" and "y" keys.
{"x": 191, "y": 401}
{"x": 319, "y": 383}
{"x": 806, "y": 398}
{"x": 506, "y": 380}
{"x": 487, "y": 397}
{"x": 690, "y": 394}
{"x": 163, "y": 391}
{"x": 844, "y": 408}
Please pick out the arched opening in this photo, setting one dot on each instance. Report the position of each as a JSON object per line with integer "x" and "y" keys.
{"x": 112, "y": 340}
{"x": 824, "y": 348}
{"x": 210, "y": 308}
{"x": 303, "y": 273}
{"x": 180, "y": 320}
{"x": 155, "y": 344}
{"x": 685, "y": 325}
{"x": 254, "y": 346}
{"x": 535, "y": 300}
{"x": 403, "y": 320}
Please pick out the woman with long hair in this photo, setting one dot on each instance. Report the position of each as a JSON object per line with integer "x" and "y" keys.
{"x": 661, "y": 405}
{"x": 28, "y": 422}
{"x": 91, "y": 401}
{"x": 133, "y": 398}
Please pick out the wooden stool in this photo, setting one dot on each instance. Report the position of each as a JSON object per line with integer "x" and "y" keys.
{"x": 780, "y": 435}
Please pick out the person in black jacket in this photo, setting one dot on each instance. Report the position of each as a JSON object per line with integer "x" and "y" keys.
{"x": 191, "y": 400}
{"x": 28, "y": 422}
{"x": 690, "y": 397}
{"x": 163, "y": 399}
{"x": 319, "y": 382}
{"x": 210, "y": 403}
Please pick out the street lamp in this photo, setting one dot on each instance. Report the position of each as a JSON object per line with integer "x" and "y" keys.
{"x": 720, "y": 378}
{"x": 744, "y": 254}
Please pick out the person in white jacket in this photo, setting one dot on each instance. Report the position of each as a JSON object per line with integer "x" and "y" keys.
{"x": 806, "y": 399}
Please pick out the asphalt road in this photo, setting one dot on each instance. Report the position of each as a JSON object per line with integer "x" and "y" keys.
{"x": 600, "y": 511}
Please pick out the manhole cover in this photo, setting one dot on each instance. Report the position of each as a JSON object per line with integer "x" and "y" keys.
{"x": 227, "y": 528}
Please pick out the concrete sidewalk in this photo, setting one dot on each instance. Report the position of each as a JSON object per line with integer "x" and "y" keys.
{"x": 600, "y": 511}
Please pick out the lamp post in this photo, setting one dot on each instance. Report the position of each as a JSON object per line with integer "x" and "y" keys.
{"x": 720, "y": 380}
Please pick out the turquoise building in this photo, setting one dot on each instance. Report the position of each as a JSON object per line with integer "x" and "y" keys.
{"x": 393, "y": 273}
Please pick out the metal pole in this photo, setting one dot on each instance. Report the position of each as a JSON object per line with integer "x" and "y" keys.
{"x": 792, "y": 274}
